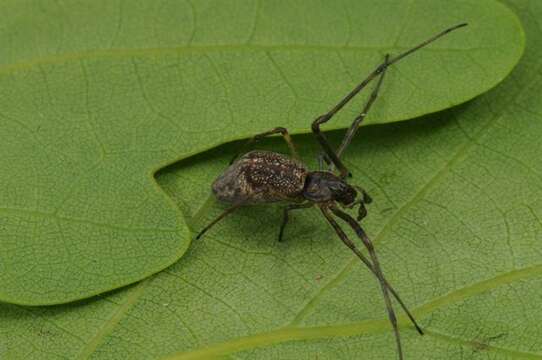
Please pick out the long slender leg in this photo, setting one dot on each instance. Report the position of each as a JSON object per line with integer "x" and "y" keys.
{"x": 277, "y": 130}
{"x": 369, "y": 265}
{"x": 376, "y": 264}
{"x": 353, "y": 128}
{"x": 218, "y": 218}
{"x": 379, "y": 69}
{"x": 343, "y": 171}
{"x": 357, "y": 121}
{"x": 285, "y": 215}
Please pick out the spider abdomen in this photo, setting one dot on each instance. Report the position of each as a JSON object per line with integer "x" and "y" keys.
{"x": 261, "y": 177}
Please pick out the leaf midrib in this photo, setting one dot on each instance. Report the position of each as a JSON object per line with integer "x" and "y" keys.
{"x": 290, "y": 333}
{"x": 128, "y": 52}
{"x": 109, "y": 325}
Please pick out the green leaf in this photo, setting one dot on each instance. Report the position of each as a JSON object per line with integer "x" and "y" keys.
{"x": 456, "y": 221}
{"x": 96, "y": 96}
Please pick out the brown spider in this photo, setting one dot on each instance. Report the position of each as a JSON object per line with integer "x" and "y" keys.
{"x": 264, "y": 177}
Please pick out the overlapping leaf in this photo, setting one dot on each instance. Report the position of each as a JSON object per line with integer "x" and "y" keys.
{"x": 96, "y": 96}
{"x": 455, "y": 219}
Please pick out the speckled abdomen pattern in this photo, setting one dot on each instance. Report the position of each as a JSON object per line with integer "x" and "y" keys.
{"x": 261, "y": 176}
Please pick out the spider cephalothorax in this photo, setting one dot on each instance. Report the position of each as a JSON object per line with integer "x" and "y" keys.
{"x": 265, "y": 177}
{"x": 322, "y": 186}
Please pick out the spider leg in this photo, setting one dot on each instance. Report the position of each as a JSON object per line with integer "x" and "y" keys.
{"x": 332, "y": 157}
{"x": 376, "y": 265}
{"x": 326, "y": 147}
{"x": 323, "y": 159}
{"x": 369, "y": 265}
{"x": 328, "y": 151}
{"x": 285, "y": 215}
{"x": 218, "y": 218}
{"x": 277, "y": 130}
{"x": 357, "y": 121}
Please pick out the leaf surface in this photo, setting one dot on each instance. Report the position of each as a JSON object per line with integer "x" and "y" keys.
{"x": 456, "y": 222}
{"x": 95, "y": 96}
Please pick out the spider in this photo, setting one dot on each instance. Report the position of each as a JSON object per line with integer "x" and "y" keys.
{"x": 264, "y": 177}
